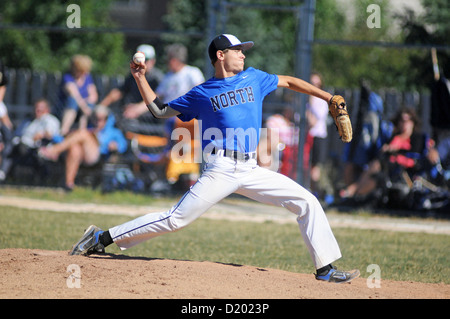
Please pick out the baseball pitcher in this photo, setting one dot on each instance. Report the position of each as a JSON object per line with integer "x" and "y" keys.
{"x": 228, "y": 108}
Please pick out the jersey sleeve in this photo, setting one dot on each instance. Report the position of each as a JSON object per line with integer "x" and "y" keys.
{"x": 268, "y": 82}
{"x": 186, "y": 105}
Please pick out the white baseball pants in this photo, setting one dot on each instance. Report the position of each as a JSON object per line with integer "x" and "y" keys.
{"x": 223, "y": 176}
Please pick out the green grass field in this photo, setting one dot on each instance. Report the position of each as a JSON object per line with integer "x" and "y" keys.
{"x": 400, "y": 256}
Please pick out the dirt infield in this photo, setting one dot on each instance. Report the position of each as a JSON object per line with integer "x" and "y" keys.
{"x": 31, "y": 274}
{"x": 37, "y": 274}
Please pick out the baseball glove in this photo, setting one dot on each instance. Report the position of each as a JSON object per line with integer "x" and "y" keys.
{"x": 338, "y": 110}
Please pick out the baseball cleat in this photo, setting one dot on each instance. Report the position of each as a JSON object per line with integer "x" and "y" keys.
{"x": 89, "y": 243}
{"x": 339, "y": 276}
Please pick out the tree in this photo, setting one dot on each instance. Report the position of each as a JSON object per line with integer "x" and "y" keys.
{"x": 430, "y": 27}
{"x": 347, "y": 65}
{"x": 274, "y": 34}
{"x": 50, "y": 49}
{"x": 272, "y": 31}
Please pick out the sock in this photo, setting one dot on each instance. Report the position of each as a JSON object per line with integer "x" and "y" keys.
{"x": 324, "y": 270}
{"x": 105, "y": 238}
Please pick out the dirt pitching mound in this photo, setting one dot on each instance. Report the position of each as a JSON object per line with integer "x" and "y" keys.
{"x": 46, "y": 274}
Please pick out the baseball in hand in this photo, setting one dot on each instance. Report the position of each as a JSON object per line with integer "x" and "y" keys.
{"x": 139, "y": 57}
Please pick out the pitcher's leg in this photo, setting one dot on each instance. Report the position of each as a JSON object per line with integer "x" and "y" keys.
{"x": 276, "y": 189}
{"x": 208, "y": 190}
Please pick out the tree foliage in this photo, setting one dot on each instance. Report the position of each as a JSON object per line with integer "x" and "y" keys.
{"x": 273, "y": 31}
{"x": 430, "y": 27}
{"x": 348, "y": 65}
{"x": 50, "y": 50}
{"x": 274, "y": 34}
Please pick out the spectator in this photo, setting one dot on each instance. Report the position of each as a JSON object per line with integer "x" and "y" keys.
{"x": 4, "y": 117}
{"x": 443, "y": 153}
{"x": 439, "y": 158}
{"x": 87, "y": 146}
{"x": 178, "y": 81}
{"x": 181, "y": 77}
{"x": 78, "y": 93}
{"x": 43, "y": 129}
{"x": 128, "y": 93}
{"x": 6, "y": 125}
{"x": 406, "y": 138}
{"x": 283, "y": 162}
{"x": 370, "y": 132}
{"x": 317, "y": 114}
{"x": 182, "y": 160}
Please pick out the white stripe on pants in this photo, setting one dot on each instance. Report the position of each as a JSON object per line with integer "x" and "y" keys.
{"x": 223, "y": 176}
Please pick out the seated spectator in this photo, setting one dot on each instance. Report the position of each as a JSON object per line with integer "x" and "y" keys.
{"x": 31, "y": 135}
{"x": 87, "y": 146}
{"x": 128, "y": 94}
{"x": 441, "y": 154}
{"x": 43, "y": 128}
{"x": 182, "y": 156}
{"x": 439, "y": 157}
{"x": 406, "y": 139}
{"x": 78, "y": 92}
{"x": 370, "y": 132}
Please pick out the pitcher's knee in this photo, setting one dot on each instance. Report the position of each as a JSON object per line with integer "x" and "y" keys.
{"x": 177, "y": 222}
{"x": 308, "y": 204}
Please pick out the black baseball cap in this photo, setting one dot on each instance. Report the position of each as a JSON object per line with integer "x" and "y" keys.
{"x": 226, "y": 41}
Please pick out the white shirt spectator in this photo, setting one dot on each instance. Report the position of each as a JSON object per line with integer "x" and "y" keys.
{"x": 319, "y": 108}
{"x": 176, "y": 84}
{"x": 46, "y": 125}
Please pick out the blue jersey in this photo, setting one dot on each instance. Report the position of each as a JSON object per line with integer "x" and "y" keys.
{"x": 229, "y": 110}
